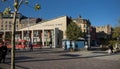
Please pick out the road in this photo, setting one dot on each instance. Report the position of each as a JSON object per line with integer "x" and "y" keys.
{"x": 60, "y": 59}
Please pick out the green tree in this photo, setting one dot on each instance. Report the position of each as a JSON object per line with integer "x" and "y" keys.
{"x": 73, "y": 31}
{"x": 116, "y": 31}
{"x": 115, "y": 34}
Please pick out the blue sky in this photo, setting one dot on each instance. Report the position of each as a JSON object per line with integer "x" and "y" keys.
{"x": 99, "y": 12}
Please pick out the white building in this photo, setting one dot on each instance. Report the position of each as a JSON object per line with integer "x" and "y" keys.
{"x": 47, "y": 32}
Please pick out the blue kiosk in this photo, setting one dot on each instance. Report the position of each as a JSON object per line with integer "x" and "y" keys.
{"x": 76, "y": 45}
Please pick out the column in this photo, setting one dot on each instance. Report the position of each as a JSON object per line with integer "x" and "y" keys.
{"x": 89, "y": 37}
{"x": 54, "y": 38}
{"x": 43, "y": 37}
{"x": 32, "y": 36}
{"x": 22, "y": 34}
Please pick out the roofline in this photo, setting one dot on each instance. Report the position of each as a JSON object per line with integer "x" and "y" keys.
{"x": 46, "y": 21}
{"x": 52, "y": 19}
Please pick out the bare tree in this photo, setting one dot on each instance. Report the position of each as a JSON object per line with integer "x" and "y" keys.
{"x": 17, "y": 4}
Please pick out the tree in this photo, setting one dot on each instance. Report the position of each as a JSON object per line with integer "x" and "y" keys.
{"x": 73, "y": 31}
{"x": 115, "y": 34}
{"x": 116, "y": 31}
{"x": 17, "y": 4}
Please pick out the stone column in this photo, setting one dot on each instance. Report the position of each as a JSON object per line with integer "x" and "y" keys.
{"x": 43, "y": 37}
{"x": 32, "y": 36}
{"x": 54, "y": 38}
{"x": 22, "y": 34}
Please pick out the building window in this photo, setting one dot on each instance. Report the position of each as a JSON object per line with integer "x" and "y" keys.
{"x": 36, "y": 33}
{"x": 10, "y": 22}
{"x": 1, "y": 25}
{"x": 84, "y": 25}
{"x": 1, "y": 28}
{"x": 5, "y": 25}
{"x": 17, "y": 26}
{"x": 85, "y": 30}
{"x": 6, "y": 22}
{"x": 10, "y": 27}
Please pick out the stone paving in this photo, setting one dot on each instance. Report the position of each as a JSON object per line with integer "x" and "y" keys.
{"x": 60, "y": 59}
{"x": 98, "y": 55}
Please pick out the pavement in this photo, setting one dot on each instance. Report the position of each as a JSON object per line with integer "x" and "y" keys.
{"x": 58, "y": 57}
{"x": 97, "y": 54}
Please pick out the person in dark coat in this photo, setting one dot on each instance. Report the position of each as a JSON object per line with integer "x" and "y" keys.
{"x": 3, "y": 52}
{"x": 111, "y": 48}
{"x": 31, "y": 46}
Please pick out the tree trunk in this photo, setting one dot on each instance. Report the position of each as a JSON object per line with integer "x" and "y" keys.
{"x": 13, "y": 38}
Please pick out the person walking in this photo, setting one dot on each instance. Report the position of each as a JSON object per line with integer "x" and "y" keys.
{"x": 31, "y": 46}
{"x": 110, "y": 50}
{"x": 3, "y": 52}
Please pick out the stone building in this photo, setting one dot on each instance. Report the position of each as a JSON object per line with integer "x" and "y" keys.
{"x": 21, "y": 22}
{"x": 84, "y": 24}
{"x": 45, "y": 32}
{"x": 104, "y": 31}
{"x": 29, "y": 21}
{"x": 6, "y": 24}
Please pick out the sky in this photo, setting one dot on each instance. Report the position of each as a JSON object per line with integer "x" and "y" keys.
{"x": 99, "y": 12}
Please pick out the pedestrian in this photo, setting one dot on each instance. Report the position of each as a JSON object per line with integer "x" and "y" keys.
{"x": 111, "y": 48}
{"x": 3, "y": 52}
{"x": 31, "y": 46}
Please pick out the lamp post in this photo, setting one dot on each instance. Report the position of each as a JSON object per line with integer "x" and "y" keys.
{"x": 87, "y": 37}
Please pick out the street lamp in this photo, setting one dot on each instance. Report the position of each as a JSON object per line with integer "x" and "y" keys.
{"x": 88, "y": 35}
{"x": 87, "y": 38}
